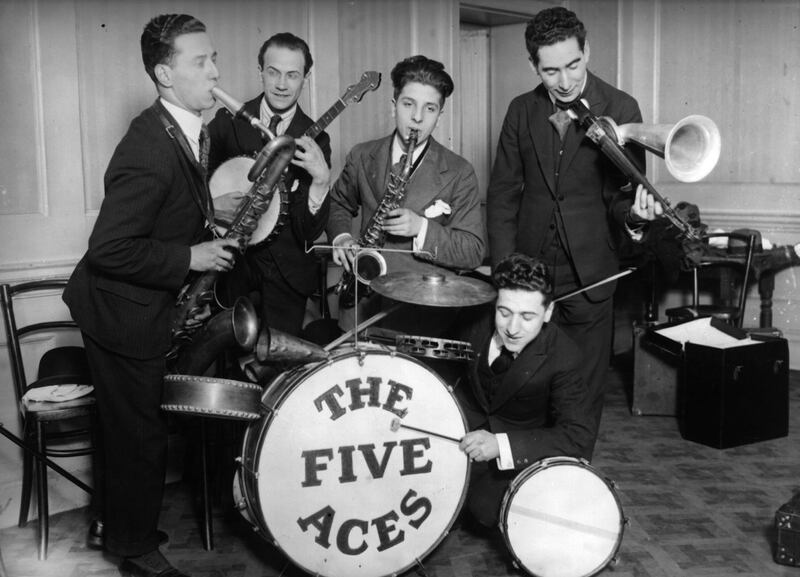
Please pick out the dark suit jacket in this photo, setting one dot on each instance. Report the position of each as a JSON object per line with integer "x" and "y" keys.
{"x": 232, "y": 137}
{"x": 524, "y": 191}
{"x": 123, "y": 292}
{"x": 456, "y": 239}
{"x": 540, "y": 403}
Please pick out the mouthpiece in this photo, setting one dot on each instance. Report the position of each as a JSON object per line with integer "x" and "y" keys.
{"x": 227, "y": 100}
{"x": 237, "y": 109}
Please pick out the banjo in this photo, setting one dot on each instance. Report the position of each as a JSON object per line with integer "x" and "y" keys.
{"x": 232, "y": 174}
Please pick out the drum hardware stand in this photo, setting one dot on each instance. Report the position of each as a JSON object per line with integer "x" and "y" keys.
{"x": 358, "y": 328}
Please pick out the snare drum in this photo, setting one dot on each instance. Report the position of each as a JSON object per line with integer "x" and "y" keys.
{"x": 559, "y": 518}
{"x": 328, "y": 477}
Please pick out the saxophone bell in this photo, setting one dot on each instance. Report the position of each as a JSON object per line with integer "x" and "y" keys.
{"x": 368, "y": 265}
{"x": 234, "y": 327}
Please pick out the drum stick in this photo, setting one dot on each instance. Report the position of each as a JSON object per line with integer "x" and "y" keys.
{"x": 597, "y": 284}
{"x": 367, "y": 323}
{"x": 396, "y": 424}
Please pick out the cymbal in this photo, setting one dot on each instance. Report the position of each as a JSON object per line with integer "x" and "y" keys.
{"x": 434, "y": 289}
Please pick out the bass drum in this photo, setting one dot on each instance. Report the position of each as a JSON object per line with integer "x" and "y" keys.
{"x": 331, "y": 477}
{"x": 232, "y": 175}
{"x": 559, "y": 518}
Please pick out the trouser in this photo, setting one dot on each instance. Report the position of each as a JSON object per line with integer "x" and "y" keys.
{"x": 590, "y": 325}
{"x": 132, "y": 459}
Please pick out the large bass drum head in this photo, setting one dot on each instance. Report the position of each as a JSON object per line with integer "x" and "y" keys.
{"x": 341, "y": 491}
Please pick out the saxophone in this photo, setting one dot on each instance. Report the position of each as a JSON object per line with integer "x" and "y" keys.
{"x": 265, "y": 175}
{"x": 370, "y": 264}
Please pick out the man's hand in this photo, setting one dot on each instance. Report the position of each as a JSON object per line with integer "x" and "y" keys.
{"x": 645, "y": 207}
{"x": 308, "y": 156}
{"x": 342, "y": 253}
{"x": 402, "y": 222}
{"x": 480, "y": 445}
{"x": 217, "y": 254}
{"x": 225, "y": 205}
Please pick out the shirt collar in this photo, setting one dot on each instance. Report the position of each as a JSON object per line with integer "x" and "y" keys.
{"x": 265, "y": 113}
{"x": 189, "y": 123}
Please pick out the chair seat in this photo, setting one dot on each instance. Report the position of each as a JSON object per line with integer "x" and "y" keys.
{"x": 47, "y": 411}
{"x": 728, "y": 314}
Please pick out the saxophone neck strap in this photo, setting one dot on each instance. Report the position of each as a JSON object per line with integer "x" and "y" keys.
{"x": 195, "y": 174}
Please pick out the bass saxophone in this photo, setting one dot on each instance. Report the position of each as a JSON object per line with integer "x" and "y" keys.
{"x": 265, "y": 175}
{"x": 370, "y": 264}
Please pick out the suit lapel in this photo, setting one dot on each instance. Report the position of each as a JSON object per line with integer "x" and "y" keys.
{"x": 539, "y": 110}
{"x": 377, "y": 169}
{"x": 522, "y": 371}
{"x": 576, "y": 134}
{"x": 428, "y": 179}
{"x": 299, "y": 124}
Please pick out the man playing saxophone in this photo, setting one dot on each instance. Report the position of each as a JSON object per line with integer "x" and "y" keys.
{"x": 152, "y": 229}
{"x": 438, "y": 220}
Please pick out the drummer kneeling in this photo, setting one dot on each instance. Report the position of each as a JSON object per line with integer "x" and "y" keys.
{"x": 524, "y": 399}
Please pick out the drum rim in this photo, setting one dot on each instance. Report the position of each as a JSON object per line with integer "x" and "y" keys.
{"x": 168, "y": 402}
{"x": 251, "y": 473}
{"x": 541, "y": 465}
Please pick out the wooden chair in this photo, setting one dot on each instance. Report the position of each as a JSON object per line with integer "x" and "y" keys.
{"x": 730, "y": 312}
{"x": 47, "y": 425}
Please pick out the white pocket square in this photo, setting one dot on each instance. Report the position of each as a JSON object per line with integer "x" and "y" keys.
{"x": 438, "y": 208}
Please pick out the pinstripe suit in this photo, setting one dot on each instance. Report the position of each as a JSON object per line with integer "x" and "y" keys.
{"x": 122, "y": 295}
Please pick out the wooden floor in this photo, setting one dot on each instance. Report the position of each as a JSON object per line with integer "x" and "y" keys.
{"x": 693, "y": 510}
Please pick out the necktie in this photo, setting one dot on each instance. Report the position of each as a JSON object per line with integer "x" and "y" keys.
{"x": 397, "y": 168}
{"x": 273, "y": 123}
{"x": 560, "y": 120}
{"x": 502, "y": 363}
{"x": 205, "y": 144}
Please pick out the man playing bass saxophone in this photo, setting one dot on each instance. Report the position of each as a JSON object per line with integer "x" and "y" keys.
{"x": 151, "y": 231}
{"x": 439, "y": 216}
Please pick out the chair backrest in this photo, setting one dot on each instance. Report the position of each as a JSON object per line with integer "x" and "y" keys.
{"x": 749, "y": 240}
{"x": 15, "y": 333}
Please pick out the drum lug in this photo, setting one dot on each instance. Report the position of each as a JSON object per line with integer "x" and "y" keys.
{"x": 420, "y": 570}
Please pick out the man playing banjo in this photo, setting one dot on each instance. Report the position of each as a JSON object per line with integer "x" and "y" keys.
{"x": 278, "y": 267}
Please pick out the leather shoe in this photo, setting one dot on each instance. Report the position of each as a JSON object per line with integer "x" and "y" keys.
{"x": 152, "y": 564}
{"x": 95, "y": 539}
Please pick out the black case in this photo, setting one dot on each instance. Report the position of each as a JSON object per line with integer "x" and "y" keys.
{"x": 731, "y": 396}
{"x": 787, "y": 529}
{"x": 656, "y": 377}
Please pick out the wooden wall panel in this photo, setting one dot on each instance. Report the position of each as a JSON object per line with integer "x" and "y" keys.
{"x": 373, "y": 35}
{"x": 108, "y": 41}
{"x": 21, "y": 164}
